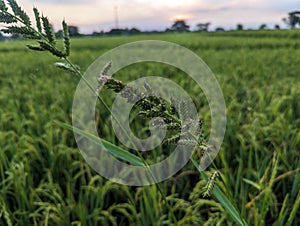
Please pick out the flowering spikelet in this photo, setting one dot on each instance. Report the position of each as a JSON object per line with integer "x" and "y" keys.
{"x": 18, "y": 11}
{"x": 48, "y": 29}
{"x": 210, "y": 184}
{"x": 37, "y": 19}
{"x": 66, "y": 36}
{"x": 150, "y": 106}
{"x": 20, "y": 24}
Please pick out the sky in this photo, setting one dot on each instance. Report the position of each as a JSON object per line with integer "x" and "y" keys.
{"x": 97, "y": 15}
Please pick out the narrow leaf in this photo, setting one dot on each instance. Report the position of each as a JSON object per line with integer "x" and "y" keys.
{"x": 65, "y": 66}
{"x": 256, "y": 185}
{"x": 283, "y": 211}
{"x": 294, "y": 211}
{"x": 111, "y": 148}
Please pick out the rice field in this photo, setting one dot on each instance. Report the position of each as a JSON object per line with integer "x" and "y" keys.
{"x": 44, "y": 180}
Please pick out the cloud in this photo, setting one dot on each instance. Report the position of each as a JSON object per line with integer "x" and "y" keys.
{"x": 282, "y": 6}
{"x": 251, "y": 13}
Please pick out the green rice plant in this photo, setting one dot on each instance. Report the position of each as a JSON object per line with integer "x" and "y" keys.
{"x": 44, "y": 36}
{"x": 261, "y": 87}
{"x": 4, "y": 212}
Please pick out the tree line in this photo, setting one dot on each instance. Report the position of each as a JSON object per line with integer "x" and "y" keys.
{"x": 293, "y": 21}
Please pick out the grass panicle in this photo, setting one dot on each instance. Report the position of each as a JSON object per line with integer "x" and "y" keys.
{"x": 106, "y": 69}
{"x": 18, "y": 11}
{"x": 43, "y": 33}
{"x": 48, "y": 30}
{"x": 66, "y": 36}
{"x": 151, "y": 106}
{"x": 3, "y": 7}
{"x": 6, "y": 18}
{"x": 22, "y": 31}
{"x": 35, "y": 48}
{"x": 54, "y": 51}
{"x": 210, "y": 184}
{"x": 37, "y": 20}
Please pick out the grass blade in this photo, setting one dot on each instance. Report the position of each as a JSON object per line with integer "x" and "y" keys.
{"x": 111, "y": 148}
{"x": 283, "y": 211}
{"x": 294, "y": 210}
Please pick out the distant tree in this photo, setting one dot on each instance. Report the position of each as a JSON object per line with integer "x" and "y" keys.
{"x": 293, "y": 19}
{"x": 118, "y": 31}
{"x": 96, "y": 33}
{"x": 73, "y": 31}
{"x": 59, "y": 34}
{"x": 277, "y": 27}
{"x": 239, "y": 27}
{"x": 220, "y": 29}
{"x": 179, "y": 26}
{"x": 134, "y": 31}
{"x": 1, "y": 37}
{"x": 262, "y": 27}
{"x": 203, "y": 27}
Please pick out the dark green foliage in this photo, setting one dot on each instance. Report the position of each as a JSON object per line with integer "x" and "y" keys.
{"x": 293, "y": 19}
{"x": 179, "y": 26}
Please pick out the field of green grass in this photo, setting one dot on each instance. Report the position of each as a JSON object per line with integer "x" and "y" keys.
{"x": 44, "y": 180}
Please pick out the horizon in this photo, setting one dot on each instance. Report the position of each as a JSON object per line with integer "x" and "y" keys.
{"x": 96, "y": 16}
